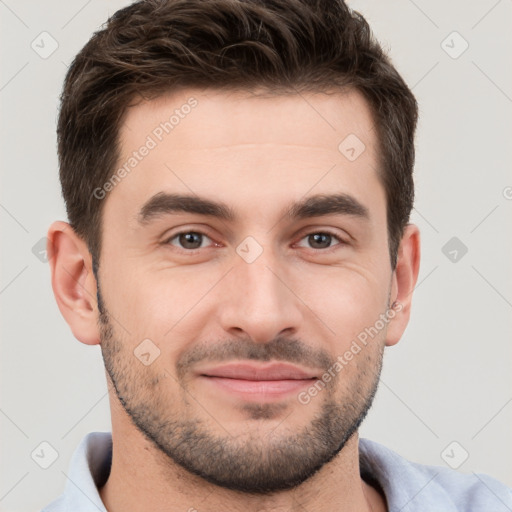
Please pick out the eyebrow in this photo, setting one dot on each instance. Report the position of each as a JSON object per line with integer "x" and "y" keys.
{"x": 314, "y": 206}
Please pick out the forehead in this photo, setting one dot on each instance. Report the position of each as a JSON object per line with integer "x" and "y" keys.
{"x": 247, "y": 149}
{"x": 318, "y": 119}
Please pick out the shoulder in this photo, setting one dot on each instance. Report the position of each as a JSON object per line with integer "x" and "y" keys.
{"x": 88, "y": 471}
{"x": 410, "y": 486}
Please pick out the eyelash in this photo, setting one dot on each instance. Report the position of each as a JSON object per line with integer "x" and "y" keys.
{"x": 322, "y": 232}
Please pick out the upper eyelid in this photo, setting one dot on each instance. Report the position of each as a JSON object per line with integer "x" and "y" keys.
{"x": 314, "y": 229}
{"x": 203, "y": 231}
{"x": 204, "y": 228}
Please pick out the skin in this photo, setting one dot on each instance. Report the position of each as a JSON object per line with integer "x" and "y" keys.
{"x": 256, "y": 154}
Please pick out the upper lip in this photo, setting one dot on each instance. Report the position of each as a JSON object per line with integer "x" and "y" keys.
{"x": 251, "y": 371}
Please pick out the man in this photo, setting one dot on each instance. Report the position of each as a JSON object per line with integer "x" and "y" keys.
{"x": 238, "y": 181}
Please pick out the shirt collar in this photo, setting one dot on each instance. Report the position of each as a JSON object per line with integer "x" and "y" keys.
{"x": 407, "y": 486}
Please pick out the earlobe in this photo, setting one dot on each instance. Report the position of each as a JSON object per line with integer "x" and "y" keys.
{"x": 73, "y": 282}
{"x": 404, "y": 281}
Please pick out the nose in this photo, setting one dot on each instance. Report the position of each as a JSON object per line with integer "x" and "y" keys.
{"x": 259, "y": 300}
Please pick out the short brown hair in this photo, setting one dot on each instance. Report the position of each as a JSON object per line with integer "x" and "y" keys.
{"x": 153, "y": 47}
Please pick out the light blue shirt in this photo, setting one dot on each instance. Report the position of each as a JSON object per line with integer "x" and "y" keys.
{"x": 408, "y": 487}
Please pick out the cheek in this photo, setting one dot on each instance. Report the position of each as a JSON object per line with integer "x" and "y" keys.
{"x": 167, "y": 305}
{"x": 158, "y": 304}
{"x": 345, "y": 301}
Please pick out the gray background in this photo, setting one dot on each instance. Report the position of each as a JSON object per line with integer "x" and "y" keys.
{"x": 449, "y": 378}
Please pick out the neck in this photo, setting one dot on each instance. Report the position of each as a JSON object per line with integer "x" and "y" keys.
{"x": 142, "y": 478}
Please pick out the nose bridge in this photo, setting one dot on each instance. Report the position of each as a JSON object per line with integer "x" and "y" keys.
{"x": 260, "y": 284}
{"x": 260, "y": 303}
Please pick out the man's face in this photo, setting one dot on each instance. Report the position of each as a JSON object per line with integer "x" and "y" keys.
{"x": 216, "y": 328}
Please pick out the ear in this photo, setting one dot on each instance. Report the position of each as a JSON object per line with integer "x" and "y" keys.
{"x": 403, "y": 282}
{"x": 73, "y": 281}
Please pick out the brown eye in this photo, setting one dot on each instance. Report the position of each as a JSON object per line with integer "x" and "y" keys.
{"x": 321, "y": 240}
{"x": 188, "y": 240}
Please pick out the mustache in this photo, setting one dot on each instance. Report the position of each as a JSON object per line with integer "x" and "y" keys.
{"x": 280, "y": 349}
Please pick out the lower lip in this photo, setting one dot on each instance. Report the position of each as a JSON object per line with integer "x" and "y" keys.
{"x": 260, "y": 389}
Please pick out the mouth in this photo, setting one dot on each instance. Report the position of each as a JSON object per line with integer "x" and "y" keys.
{"x": 253, "y": 382}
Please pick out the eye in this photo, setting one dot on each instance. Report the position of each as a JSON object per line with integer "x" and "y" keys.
{"x": 193, "y": 240}
{"x": 189, "y": 240}
{"x": 321, "y": 240}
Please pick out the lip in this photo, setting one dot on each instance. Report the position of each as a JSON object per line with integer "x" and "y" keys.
{"x": 256, "y": 382}
{"x": 258, "y": 372}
